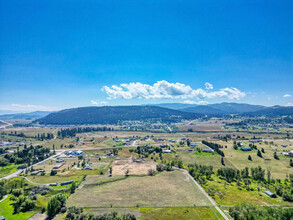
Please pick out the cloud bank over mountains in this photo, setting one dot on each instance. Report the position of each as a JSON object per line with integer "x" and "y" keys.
{"x": 166, "y": 90}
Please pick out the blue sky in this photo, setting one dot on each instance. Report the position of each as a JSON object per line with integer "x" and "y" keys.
{"x": 61, "y": 54}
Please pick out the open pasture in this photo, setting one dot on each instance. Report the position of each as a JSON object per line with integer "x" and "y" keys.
{"x": 163, "y": 189}
{"x": 134, "y": 166}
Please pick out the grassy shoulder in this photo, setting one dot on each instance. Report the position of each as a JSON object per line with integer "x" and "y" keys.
{"x": 6, "y": 170}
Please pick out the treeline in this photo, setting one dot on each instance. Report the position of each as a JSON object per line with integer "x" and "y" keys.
{"x": 215, "y": 147}
{"x": 251, "y": 211}
{"x": 71, "y": 132}
{"x": 75, "y": 213}
{"x": 41, "y": 137}
{"x": 145, "y": 151}
{"x": 201, "y": 173}
{"x": 231, "y": 174}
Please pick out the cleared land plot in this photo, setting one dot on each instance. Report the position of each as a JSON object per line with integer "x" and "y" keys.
{"x": 180, "y": 213}
{"x": 164, "y": 189}
{"x": 142, "y": 167}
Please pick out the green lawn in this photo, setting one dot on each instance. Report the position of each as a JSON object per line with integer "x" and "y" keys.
{"x": 6, "y": 210}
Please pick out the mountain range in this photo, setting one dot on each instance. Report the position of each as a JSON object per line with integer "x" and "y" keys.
{"x": 25, "y": 116}
{"x": 114, "y": 114}
{"x": 165, "y": 112}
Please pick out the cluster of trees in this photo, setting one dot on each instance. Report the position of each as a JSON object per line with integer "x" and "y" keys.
{"x": 254, "y": 212}
{"x": 215, "y": 147}
{"x": 201, "y": 173}
{"x": 71, "y": 132}
{"x": 162, "y": 167}
{"x": 230, "y": 174}
{"x": 20, "y": 202}
{"x": 74, "y": 213}
{"x": 56, "y": 204}
{"x": 28, "y": 155}
{"x": 145, "y": 151}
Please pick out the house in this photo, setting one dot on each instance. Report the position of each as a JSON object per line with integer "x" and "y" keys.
{"x": 193, "y": 145}
{"x": 246, "y": 148}
{"x": 2, "y": 218}
{"x": 255, "y": 141}
{"x": 289, "y": 154}
{"x": 270, "y": 194}
{"x": 284, "y": 145}
{"x": 59, "y": 160}
{"x": 53, "y": 184}
{"x": 87, "y": 167}
{"x": 37, "y": 172}
{"x": 78, "y": 152}
{"x": 57, "y": 166}
{"x": 167, "y": 151}
{"x": 68, "y": 152}
{"x": 207, "y": 150}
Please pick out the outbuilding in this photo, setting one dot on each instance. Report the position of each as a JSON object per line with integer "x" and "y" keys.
{"x": 270, "y": 194}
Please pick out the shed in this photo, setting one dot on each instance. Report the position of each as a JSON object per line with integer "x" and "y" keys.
{"x": 271, "y": 194}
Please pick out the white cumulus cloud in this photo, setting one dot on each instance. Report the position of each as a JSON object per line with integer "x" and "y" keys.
{"x": 194, "y": 102}
{"x": 29, "y": 107}
{"x": 189, "y": 102}
{"x": 97, "y": 103}
{"x": 286, "y": 95}
{"x": 165, "y": 90}
{"x": 208, "y": 86}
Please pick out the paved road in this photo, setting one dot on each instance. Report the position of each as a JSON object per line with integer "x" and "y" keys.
{"x": 5, "y": 197}
{"x": 205, "y": 193}
{"x": 22, "y": 170}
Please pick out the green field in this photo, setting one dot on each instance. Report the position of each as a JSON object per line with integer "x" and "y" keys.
{"x": 163, "y": 189}
{"x": 174, "y": 213}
